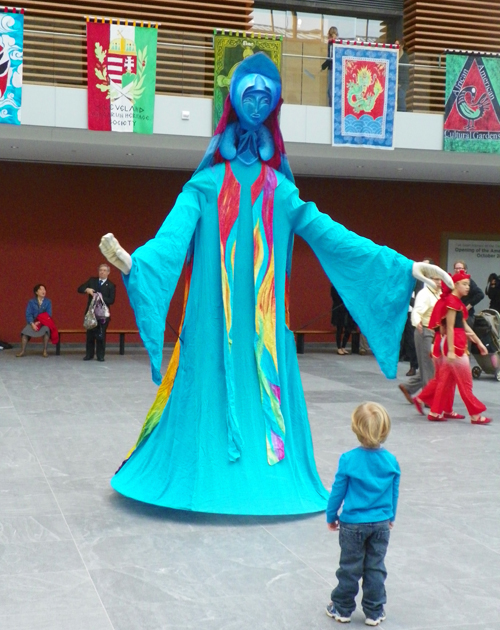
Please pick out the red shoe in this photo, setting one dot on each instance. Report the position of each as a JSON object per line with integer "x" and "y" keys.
{"x": 436, "y": 418}
{"x": 453, "y": 415}
{"x": 418, "y": 404}
{"x": 481, "y": 420}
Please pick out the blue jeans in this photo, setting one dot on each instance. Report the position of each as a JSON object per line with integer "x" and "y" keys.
{"x": 362, "y": 553}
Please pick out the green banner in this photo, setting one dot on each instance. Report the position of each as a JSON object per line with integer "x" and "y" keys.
{"x": 144, "y": 106}
{"x": 472, "y": 111}
{"x": 229, "y": 50}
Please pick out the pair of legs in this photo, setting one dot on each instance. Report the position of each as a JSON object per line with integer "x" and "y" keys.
{"x": 423, "y": 346}
{"x": 343, "y": 334}
{"x": 456, "y": 373}
{"x": 24, "y": 343}
{"x": 96, "y": 342}
{"x": 408, "y": 345}
{"x": 426, "y": 396}
{"x": 363, "y": 547}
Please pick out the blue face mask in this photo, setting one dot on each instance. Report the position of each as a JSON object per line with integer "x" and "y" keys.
{"x": 255, "y": 108}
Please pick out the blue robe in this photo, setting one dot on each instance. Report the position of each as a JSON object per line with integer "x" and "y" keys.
{"x": 184, "y": 463}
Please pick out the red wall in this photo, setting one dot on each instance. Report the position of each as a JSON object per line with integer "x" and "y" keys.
{"x": 52, "y": 218}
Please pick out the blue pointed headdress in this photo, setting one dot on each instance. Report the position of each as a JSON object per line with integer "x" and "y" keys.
{"x": 231, "y": 139}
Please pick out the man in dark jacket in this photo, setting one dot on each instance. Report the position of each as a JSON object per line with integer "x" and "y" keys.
{"x": 474, "y": 296}
{"x": 96, "y": 337}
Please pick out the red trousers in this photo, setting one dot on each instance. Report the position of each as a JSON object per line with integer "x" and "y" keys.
{"x": 429, "y": 391}
{"x": 455, "y": 373}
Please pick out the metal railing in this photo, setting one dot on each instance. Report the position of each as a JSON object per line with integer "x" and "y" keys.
{"x": 185, "y": 62}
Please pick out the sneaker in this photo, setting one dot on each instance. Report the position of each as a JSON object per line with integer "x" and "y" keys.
{"x": 375, "y": 622}
{"x": 331, "y": 612}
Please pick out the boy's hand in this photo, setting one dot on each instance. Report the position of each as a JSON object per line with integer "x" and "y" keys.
{"x": 391, "y": 525}
{"x": 333, "y": 527}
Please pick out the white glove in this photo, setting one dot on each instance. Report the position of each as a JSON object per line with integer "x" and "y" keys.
{"x": 420, "y": 267}
{"x": 115, "y": 254}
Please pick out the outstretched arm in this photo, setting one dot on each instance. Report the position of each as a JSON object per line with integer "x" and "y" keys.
{"x": 151, "y": 273}
{"x": 374, "y": 282}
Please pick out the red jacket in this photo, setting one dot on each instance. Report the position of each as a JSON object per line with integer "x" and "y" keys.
{"x": 46, "y": 320}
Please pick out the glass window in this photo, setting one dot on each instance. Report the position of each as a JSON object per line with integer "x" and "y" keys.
{"x": 345, "y": 25}
{"x": 361, "y": 29}
{"x": 377, "y": 31}
{"x": 309, "y": 25}
{"x": 260, "y": 20}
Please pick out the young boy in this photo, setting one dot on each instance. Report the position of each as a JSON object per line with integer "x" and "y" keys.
{"x": 367, "y": 483}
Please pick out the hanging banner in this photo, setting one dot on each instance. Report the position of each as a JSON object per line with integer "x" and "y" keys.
{"x": 365, "y": 83}
{"x": 121, "y": 75}
{"x": 11, "y": 64}
{"x": 472, "y": 111}
{"x": 230, "y": 48}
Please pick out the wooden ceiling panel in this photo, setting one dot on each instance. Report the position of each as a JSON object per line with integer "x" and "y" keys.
{"x": 55, "y": 38}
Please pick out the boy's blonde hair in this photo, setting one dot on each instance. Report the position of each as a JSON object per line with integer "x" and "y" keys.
{"x": 371, "y": 424}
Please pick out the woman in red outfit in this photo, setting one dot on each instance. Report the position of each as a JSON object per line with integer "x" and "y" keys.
{"x": 450, "y": 316}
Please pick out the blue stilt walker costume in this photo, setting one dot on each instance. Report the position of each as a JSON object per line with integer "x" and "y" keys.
{"x": 228, "y": 432}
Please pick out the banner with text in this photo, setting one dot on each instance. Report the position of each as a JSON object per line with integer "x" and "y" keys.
{"x": 364, "y": 94}
{"x": 121, "y": 76}
{"x": 11, "y": 64}
{"x": 481, "y": 256}
{"x": 472, "y": 111}
{"x": 229, "y": 50}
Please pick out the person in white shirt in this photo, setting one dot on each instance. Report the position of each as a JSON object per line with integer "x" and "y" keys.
{"x": 425, "y": 301}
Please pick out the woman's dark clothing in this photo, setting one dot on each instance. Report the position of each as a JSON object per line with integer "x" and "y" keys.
{"x": 327, "y": 63}
{"x": 341, "y": 318}
{"x": 493, "y": 292}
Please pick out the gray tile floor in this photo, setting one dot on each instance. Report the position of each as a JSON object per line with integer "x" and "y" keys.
{"x": 74, "y": 554}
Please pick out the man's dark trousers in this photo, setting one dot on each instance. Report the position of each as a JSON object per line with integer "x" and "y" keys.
{"x": 97, "y": 337}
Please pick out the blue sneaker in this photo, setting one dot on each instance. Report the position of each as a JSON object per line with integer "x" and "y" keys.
{"x": 377, "y": 621}
{"x": 331, "y": 612}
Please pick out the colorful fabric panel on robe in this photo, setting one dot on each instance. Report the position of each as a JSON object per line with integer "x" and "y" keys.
{"x": 265, "y": 305}
{"x": 228, "y": 204}
{"x": 164, "y": 390}
{"x": 265, "y": 313}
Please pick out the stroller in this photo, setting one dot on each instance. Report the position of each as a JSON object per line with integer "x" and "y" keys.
{"x": 487, "y": 328}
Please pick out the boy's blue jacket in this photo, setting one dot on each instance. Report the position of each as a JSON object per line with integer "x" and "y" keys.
{"x": 367, "y": 482}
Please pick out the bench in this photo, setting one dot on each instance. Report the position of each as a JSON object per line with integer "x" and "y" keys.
{"x": 81, "y": 331}
{"x": 300, "y": 334}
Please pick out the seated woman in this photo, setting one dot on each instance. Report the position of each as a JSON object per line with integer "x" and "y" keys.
{"x": 37, "y": 305}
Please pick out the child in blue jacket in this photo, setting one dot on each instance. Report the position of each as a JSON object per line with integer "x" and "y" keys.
{"x": 367, "y": 484}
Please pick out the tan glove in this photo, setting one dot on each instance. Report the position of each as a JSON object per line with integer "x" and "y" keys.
{"x": 420, "y": 267}
{"x": 115, "y": 254}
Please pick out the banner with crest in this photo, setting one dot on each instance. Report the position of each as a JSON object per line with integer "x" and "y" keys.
{"x": 230, "y": 48}
{"x": 121, "y": 75}
{"x": 364, "y": 94}
{"x": 472, "y": 110}
{"x": 11, "y": 64}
